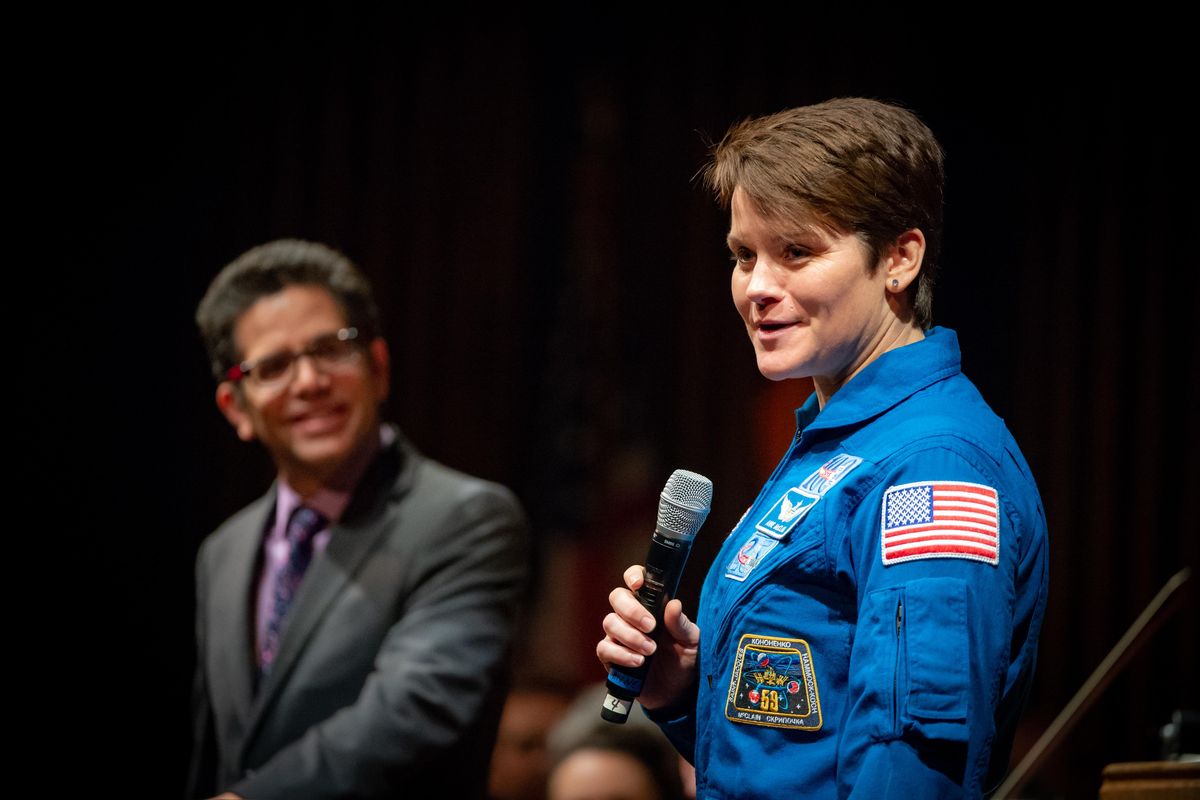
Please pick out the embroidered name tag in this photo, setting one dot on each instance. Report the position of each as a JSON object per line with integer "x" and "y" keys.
{"x": 830, "y": 473}
{"x": 773, "y": 684}
{"x": 786, "y": 513}
{"x": 940, "y": 519}
{"x": 749, "y": 555}
{"x": 798, "y": 501}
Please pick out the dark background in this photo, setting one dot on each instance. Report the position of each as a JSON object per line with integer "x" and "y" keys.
{"x": 555, "y": 289}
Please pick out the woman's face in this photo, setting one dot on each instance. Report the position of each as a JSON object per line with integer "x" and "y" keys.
{"x": 808, "y": 298}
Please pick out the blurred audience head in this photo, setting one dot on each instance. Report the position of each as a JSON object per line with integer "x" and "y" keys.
{"x": 619, "y": 763}
{"x": 597, "y": 760}
{"x": 521, "y": 761}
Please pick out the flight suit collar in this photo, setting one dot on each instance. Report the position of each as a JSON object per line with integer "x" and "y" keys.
{"x": 885, "y": 382}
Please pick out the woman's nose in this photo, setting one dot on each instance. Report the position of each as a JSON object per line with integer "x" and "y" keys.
{"x": 763, "y": 286}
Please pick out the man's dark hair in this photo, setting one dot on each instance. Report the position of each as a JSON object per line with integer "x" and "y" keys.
{"x": 856, "y": 165}
{"x": 268, "y": 269}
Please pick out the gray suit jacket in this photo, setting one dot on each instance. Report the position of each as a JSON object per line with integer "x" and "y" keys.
{"x": 389, "y": 678}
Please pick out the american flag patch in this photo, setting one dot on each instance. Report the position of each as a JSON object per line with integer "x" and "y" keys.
{"x": 941, "y": 519}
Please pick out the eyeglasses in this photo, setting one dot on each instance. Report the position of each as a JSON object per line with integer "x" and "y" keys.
{"x": 327, "y": 352}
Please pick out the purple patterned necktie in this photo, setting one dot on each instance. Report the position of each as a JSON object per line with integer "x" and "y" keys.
{"x": 302, "y": 527}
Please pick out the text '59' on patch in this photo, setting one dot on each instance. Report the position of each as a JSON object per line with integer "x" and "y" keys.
{"x": 773, "y": 684}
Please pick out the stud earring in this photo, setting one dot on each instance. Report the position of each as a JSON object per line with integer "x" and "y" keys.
{"x": 895, "y": 283}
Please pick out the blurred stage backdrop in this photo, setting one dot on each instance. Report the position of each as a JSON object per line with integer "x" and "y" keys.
{"x": 554, "y": 286}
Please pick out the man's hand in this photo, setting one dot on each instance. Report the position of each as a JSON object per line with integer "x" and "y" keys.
{"x": 626, "y": 643}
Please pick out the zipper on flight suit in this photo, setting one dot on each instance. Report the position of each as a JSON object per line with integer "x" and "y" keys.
{"x": 896, "y": 666}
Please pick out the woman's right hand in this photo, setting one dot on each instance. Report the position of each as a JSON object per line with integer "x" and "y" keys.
{"x": 627, "y": 642}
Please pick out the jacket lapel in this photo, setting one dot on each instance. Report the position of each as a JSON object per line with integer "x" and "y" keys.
{"x": 232, "y": 591}
{"x": 360, "y": 531}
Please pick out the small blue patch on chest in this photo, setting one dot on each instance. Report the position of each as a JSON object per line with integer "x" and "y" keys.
{"x": 787, "y": 512}
{"x": 749, "y": 555}
{"x": 829, "y": 474}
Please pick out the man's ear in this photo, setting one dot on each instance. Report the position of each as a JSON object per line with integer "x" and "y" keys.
{"x": 381, "y": 365}
{"x": 230, "y": 403}
{"x": 902, "y": 261}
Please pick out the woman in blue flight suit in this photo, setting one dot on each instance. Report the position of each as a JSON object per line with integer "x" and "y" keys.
{"x": 870, "y": 626}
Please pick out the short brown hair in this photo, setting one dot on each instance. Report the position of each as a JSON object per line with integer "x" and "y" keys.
{"x": 856, "y": 165}
{"x": 271, "y": 268}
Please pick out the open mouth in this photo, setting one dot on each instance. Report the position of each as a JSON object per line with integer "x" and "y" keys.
{"x": 774, "y": 327}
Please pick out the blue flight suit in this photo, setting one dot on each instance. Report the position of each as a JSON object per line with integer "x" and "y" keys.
{"x": 869, "y": 628}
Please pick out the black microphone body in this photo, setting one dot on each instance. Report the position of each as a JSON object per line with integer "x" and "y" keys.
{"x": 683, "y": 507}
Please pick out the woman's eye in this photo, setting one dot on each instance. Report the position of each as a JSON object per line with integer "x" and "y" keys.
{"x": 742, "y": 256}
{"x": 795, "y": 251}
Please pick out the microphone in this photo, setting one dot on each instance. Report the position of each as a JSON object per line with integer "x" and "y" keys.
{"x": 682, "y": 508}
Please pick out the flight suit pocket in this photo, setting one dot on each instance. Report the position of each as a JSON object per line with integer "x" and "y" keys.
{"x": 913, "y": 661}
{"x": 937, "y": 651}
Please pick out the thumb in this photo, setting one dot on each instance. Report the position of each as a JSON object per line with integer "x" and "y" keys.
{"x": 682, "y": 629}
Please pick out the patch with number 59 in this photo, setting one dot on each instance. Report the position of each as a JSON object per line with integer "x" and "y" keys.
{"x": 773, "y": 684}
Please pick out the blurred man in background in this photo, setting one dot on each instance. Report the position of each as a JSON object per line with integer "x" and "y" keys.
{"x": 353, "y": 622}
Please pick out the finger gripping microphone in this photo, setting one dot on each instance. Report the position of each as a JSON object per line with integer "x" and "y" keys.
{"x": 682, "y": 508}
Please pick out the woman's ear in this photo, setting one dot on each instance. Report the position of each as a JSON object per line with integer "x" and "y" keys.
{"x": 902, "y": 260}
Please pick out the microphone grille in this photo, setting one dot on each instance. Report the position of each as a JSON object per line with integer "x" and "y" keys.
{"x": 684, "y": 503}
